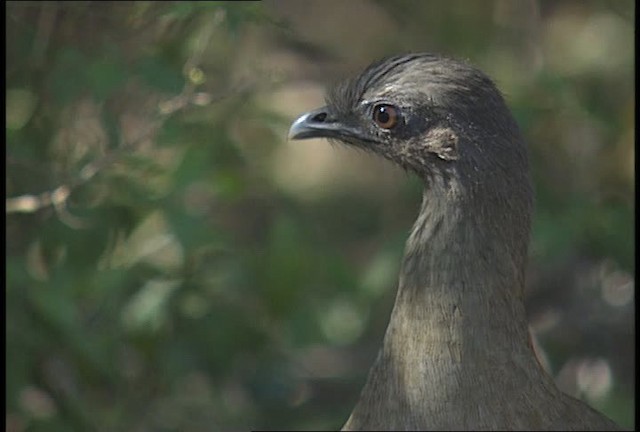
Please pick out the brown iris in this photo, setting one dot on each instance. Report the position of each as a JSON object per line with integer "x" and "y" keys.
{"x": 386, "y": 116}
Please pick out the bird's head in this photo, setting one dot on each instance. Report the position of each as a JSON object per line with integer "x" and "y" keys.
{"x": 445, "y": 121}
{"x": 437, "y": 117}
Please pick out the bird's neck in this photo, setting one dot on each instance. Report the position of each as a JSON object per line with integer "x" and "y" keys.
{"x": 459, "y": 320}
{"x": 462, "y": 281}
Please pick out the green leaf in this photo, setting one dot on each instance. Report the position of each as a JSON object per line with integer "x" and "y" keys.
{"x": 160, "y": 75}
{"x": 67, "y": 79}
{"x": 104, "y": 75}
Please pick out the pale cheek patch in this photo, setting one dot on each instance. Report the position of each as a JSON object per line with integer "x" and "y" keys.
{"x": 443, "y": 142}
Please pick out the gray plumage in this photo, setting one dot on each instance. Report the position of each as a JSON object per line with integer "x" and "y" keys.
{"x": 457, "y": 351}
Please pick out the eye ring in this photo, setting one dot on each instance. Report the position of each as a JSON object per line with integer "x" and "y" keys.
{"x": 386, "y": 116}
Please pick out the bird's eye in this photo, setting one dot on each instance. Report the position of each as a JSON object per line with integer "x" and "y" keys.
{"x": 386, "y": 116}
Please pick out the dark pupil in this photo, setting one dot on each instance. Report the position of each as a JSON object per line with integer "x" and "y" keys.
{"x": 383, "y": 115}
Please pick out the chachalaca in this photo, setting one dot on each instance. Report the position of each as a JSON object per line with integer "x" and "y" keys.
{"x": 457, "y": 352}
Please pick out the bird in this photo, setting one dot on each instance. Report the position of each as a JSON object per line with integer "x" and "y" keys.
{"x": 457, "y": 353}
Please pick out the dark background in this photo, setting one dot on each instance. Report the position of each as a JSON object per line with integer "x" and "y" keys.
{"x": 174, "y": 264}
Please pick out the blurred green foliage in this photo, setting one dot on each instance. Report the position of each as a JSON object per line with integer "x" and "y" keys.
{"x": 180, "y": 286}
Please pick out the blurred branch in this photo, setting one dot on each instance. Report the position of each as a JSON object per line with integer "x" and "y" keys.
{"x": 59, "y": 196}
{"x": 31, "y": 203}
{"x": 46, "y": 21}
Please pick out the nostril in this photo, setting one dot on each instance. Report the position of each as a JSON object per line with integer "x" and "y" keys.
{"x": 320, "y": 117}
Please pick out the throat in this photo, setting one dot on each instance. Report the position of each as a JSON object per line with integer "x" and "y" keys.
{"x": 458, "y": 321}
{"x": 459, "y": 315}
{"x": 460, "y": 293}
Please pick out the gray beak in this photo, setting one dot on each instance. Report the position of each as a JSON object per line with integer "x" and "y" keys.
{"x": 318, "y": 124}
